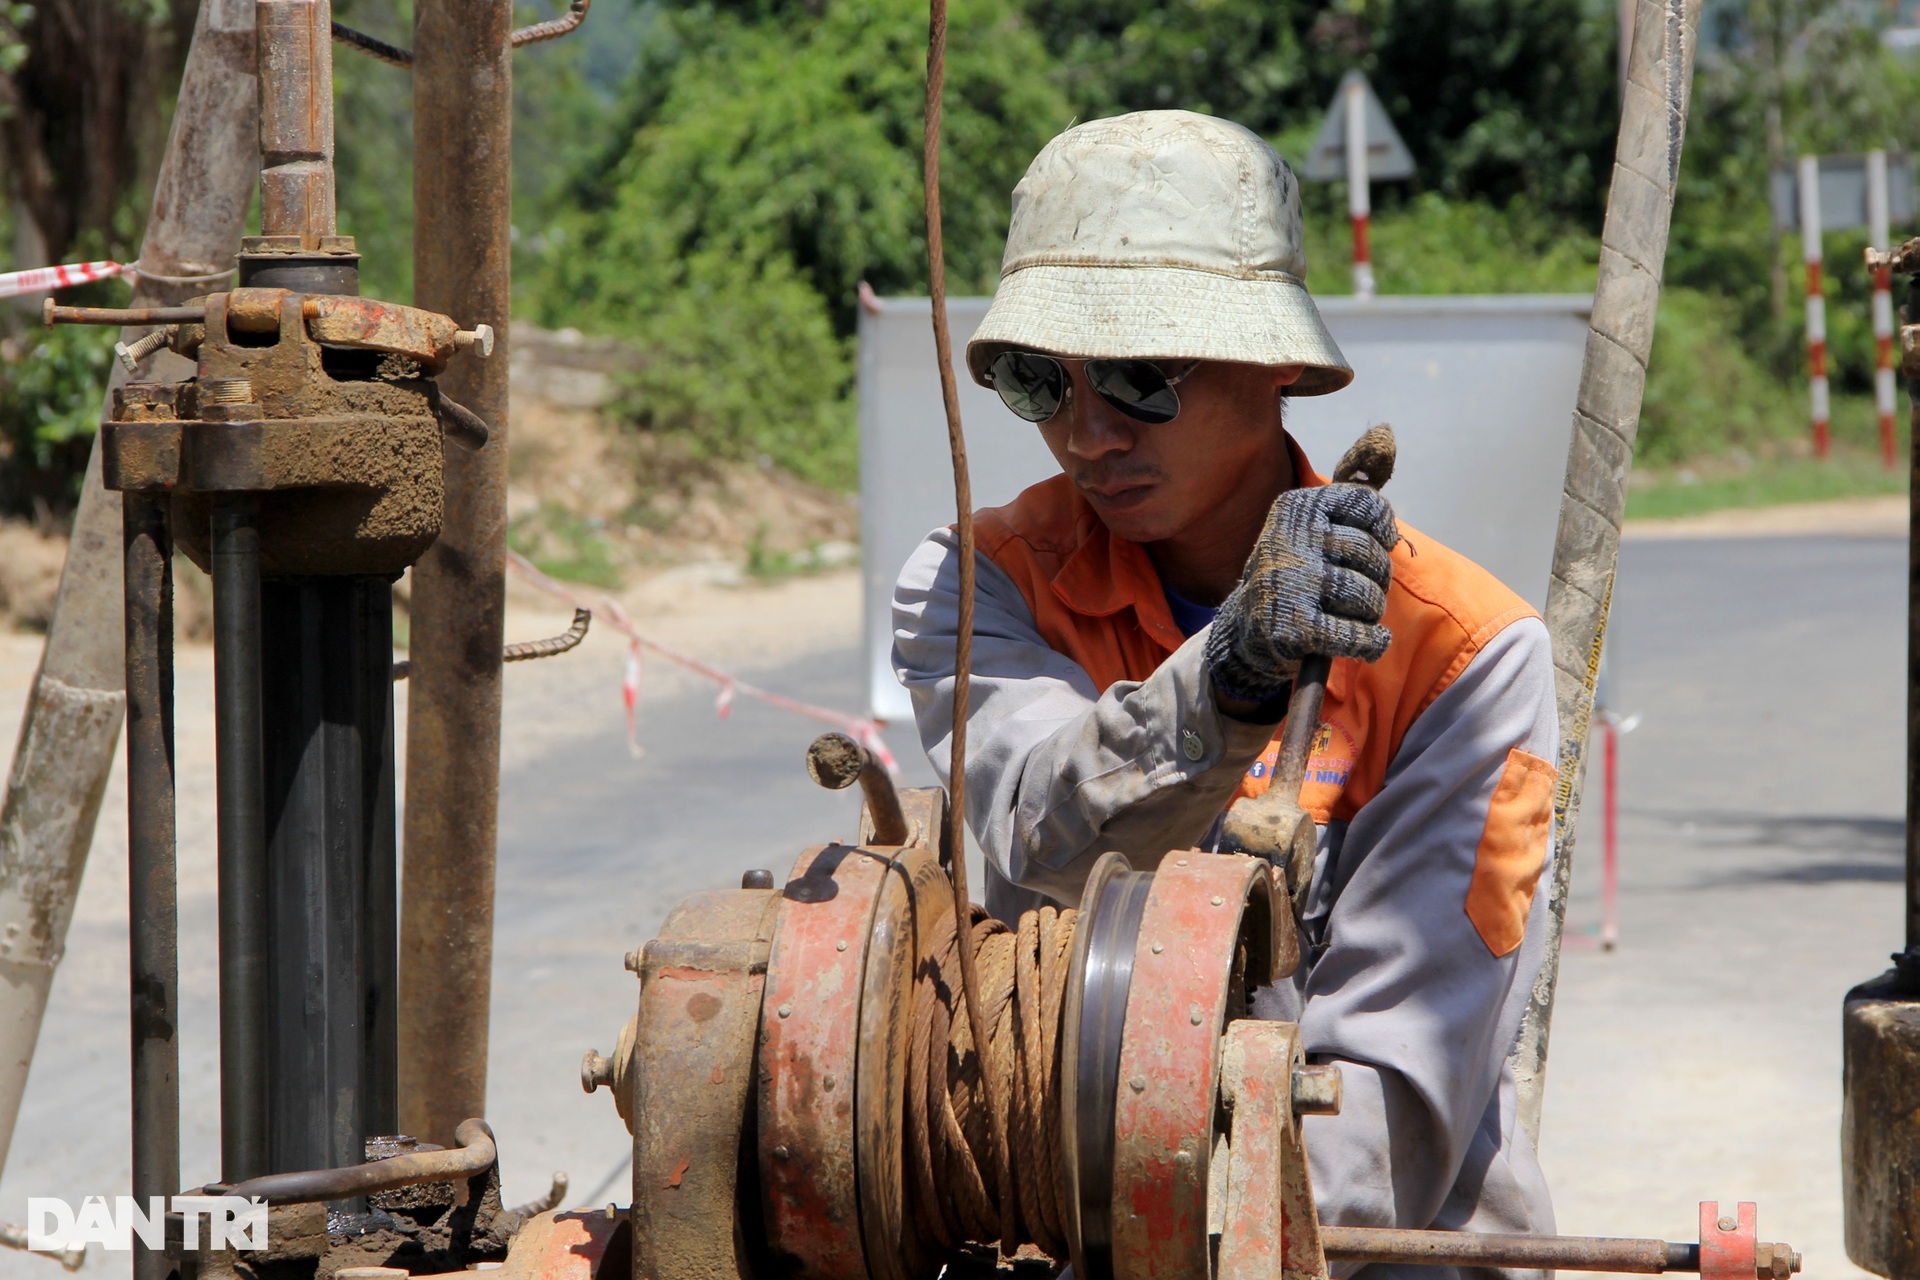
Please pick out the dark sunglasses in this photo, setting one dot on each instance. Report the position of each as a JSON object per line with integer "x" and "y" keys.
{"x": 1035, "y": 386}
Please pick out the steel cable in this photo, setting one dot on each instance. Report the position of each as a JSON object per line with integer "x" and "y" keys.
{"x": 963, "y": 1186}
{"x": 956, "y": 838}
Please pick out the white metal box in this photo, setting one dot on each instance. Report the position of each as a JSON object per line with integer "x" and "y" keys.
{"x": 1479, "y": 390}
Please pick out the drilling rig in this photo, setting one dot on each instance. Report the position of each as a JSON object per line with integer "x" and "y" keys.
{"x": 805, "y": 1093}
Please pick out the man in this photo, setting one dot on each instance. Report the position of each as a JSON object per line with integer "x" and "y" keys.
{"x": 1140, "y": 618}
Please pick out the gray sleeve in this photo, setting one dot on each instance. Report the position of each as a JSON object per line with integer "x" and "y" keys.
{"x": 1058, "y": 772}
{"x": 1406, "y": 997}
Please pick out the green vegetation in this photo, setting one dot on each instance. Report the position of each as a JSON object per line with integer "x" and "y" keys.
{"x": 713, "y": 179}
{"x": 564, "y": 544}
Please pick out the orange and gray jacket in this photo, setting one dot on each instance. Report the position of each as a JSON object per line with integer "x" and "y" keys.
{"x": 1093, "y": 727}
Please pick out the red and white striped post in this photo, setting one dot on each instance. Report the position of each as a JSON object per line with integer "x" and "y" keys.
{"x": 1359, "y": 202}
{"x": 1816, "y": 302}
{"x": 1880, "y": 236}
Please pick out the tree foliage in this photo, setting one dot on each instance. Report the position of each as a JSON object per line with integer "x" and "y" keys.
{"x": 772, "y": 163}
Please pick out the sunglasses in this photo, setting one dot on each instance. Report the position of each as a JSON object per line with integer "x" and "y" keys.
{"x": 1035, "y": 386}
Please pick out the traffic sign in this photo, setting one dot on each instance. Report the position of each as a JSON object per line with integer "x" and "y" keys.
{"x": 1843, "y": 192}
{"x": 1387, "y": 154}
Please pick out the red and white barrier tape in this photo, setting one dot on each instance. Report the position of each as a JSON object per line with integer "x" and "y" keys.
{"x": 41, "y": 279}
{"x": 865, "y": 731}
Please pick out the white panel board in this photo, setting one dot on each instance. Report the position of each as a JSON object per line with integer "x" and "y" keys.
{"x": 1480, "y": 391}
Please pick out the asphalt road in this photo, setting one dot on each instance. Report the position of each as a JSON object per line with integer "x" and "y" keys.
{"x": 1760, "y": 865}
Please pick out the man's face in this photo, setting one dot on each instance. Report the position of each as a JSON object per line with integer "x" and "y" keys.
{"x": 1150, "y": 482}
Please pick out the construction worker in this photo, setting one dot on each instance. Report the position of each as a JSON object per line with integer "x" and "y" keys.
{"x": 1141, "y": 615}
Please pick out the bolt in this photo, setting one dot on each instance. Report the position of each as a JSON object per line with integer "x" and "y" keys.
{"x": 781, "y": 1152}
{"x": 595, "y": 1070}
{"x": 225, "y": 391}
{"x": 758, "y": 878}
{"x": 1194, "y": 1015}
{"x": 840, "y": 945}
{"x": 635, "y": 958}
{"x": 786, "y": 1011}
{"x": 1729, "y": 1224}
{"x": 1316, "y": 1089}
{"x": 1179, "y": 862}
{"x": 1219, "y": 901}
{"x": 1158, "y": 947}
{"x": 1138, "y": 1084}
{"x": 478, "y": 340}
{"x": 828, "y": 1081}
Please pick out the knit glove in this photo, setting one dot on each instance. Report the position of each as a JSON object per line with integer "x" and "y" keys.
{"x": 1316, "y": 583}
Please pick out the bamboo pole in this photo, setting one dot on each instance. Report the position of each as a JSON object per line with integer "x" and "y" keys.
{"x": 1606, "y": 419}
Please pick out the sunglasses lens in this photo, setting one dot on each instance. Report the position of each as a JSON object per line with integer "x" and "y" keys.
{"x": 1032, "y": 385}
{"x": 1137, "y": 388}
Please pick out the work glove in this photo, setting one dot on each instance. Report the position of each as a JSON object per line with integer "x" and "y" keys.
{"x": 1316, "y": 583}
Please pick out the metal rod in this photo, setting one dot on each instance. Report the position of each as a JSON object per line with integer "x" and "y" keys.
{"x": 1469, "y": 1249}
{"x": 474, "y": 1154}
{"x": 242, "y": 838}
{"x": 153, "y": 941}
{"x": 120, "y": 317}
{"x": 379, "y": 877}
{"x": 1911, "y": 315}
{"x": 70, "y": 731}
{"x": 836, "y": 762}
{"x": 296, "y": 119}
{"x": 463, "y": 106}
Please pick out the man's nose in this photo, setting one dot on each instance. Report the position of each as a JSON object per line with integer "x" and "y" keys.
{"x": 1096, "y": 428}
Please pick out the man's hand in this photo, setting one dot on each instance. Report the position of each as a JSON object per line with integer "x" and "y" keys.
{"x": 1316, "y": 583}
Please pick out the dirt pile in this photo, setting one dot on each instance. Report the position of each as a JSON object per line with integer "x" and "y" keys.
{"x": 593, "y": 503}
{"x": 30, "y": 561}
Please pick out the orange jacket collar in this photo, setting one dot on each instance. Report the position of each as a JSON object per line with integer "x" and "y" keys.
{"x": 1105, "y": 574}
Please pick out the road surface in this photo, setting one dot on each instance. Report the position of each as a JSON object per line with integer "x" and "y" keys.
{"x": 1760, "y": 863}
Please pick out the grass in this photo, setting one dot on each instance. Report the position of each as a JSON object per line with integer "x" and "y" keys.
{"x": 1688, "y": 491}
{"x": 1774, "y": 471}
{"x": 766, "y": 565}
{"x": 565, "y": 545}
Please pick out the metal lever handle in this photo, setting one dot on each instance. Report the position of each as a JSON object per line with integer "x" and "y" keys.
{"x": 836, "y": 762}
{"x": 1272, "y": 825}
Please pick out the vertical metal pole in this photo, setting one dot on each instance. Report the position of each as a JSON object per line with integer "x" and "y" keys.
{"x": 1812, "y": 253}
{"x": 242, "y": 839}
{"x": 1880, "y": 236}
{"x": 1359, "y": 195}
{"x": 380, "y": 887}
{"x": 153, "y": 941}
{"x": 72, "y": 721}
{"x": 1912, "y": 965}
{"x": 296, "y": 119}
{"x": 462, "y": 110}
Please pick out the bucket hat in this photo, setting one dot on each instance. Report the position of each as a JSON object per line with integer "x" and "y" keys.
{"x": 1159, "y": 235}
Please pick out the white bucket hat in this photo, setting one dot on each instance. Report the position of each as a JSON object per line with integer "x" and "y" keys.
{"x": 1159, "y": 235}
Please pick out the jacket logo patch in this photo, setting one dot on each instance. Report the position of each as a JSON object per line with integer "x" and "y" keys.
{"x": 1330, "y": 758}
{"x": 1329, "y": 763}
